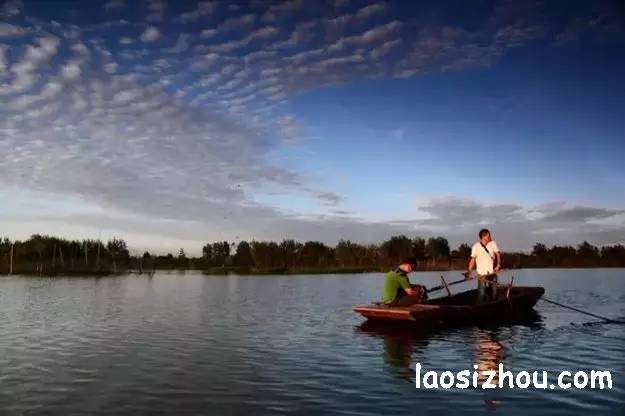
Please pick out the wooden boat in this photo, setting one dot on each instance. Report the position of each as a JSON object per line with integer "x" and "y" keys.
{"x": 461, "y": 308}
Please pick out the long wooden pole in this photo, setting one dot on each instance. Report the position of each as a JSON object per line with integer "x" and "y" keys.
{"x": 609, "y": 320}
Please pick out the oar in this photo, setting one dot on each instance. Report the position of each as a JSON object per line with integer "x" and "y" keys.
{"x": 435, "y": 288}
{"x": 467, "y": 277}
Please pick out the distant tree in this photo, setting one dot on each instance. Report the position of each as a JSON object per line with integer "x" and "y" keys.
{"x": 38, "y": 244}
{"x": 118, "y": 250}
{"x": 267, "y": 255}
{"x": 290, "y": 250}
{"x": 207, "y": 254}
{"x": 418, "y": 248}
{"x": 221, "y": 253}
{"x": 561, "y": 255}
{"x": 118, "y": 247}
{"x": 463, "y": 251}
{"x": 243, "y": 256}
{"x": 613, "y": 255}
{"x": 344, "y": 253}
{"x": 315, "y": 253}
{"x": 146, "y": 255}
{"x": 437, "y": 248}
{"x": 396, "y": 249}
{"x": 182, "y": 255}
{"x": 587, "y": 251}
{"x": 539, "y": 250}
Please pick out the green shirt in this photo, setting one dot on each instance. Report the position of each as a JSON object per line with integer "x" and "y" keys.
{"x": 393, "y": 282}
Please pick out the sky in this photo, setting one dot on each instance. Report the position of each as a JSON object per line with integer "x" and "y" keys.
{"x": 171, "y": 124}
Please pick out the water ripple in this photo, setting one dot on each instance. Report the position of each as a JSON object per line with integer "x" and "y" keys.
{"x": 193, "y": 344}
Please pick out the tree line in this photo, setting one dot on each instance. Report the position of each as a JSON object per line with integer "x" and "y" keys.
{"x": 432, "y": 254}
{"x": 46, "y": 255}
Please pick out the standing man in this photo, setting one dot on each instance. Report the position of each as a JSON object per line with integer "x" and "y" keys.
{"x": 486, "y": 258}
{"x": 398, "y": 291}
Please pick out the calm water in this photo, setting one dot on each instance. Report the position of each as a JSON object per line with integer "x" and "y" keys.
{"x": 193, "y": 344}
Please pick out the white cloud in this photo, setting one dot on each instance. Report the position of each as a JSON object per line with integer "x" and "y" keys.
{"x": 156, "y": 10}
{"x": 24, "y": 71}
{"x": 517, "y": 226}
{"x": 237, "y": 23}
{"x": 151, "y": 34}
{"x": 71, "y": 70}
{"x": 9, "y": 30}
{"x": 12, "y": 8}
{"x": 290, "y": 129}
{"x": 263, "y": 33}
{"x": 110, "y": 67}
{"x": 182, "y": 44}
{"x": 208, "y": 33}
{"x": 368, "y": 37}
{"x": 203, "y": 9}
{"x": 134, "y": 128}
{"x": 118, "y": 144}
{"x": 385, "y": 48}
{"x": 283, "y": 8}
{"x": 371, "y": 10}
{"x": 113, "y": 4}
{"x": 3, "y": 59}
{"x": 345, "y": 22}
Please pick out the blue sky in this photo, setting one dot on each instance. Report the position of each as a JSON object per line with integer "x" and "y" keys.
{"x": 175, "y": 123}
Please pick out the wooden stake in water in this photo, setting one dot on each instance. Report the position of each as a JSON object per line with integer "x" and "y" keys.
{"x": 86, "y": 255}
{"x": 97, "y": 261}
{"x": 11, "y": 260}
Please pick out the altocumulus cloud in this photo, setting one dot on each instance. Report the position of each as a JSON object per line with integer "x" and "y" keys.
{"x": 166, "y": 117}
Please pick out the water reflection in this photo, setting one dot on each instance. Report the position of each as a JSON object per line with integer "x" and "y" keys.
{"x": 489, "y": 352}
{"x": 401, "y": 341}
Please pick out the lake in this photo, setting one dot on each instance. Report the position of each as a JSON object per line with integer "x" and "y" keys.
{"x": 252, "y": 345}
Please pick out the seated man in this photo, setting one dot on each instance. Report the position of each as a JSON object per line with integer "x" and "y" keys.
{"x": 398, "y": 291}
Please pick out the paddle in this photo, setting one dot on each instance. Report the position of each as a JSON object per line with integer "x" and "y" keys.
{"x": 435, "y": 288}
{"x": 467, "y": 277}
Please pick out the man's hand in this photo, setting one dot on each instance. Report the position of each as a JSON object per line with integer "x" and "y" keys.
{"x": 467, "y": 274}
{"x": 497, "y": 269}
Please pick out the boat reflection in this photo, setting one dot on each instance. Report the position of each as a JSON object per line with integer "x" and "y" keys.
{"x": 399, "y": 344}
{"x": 401, "y": 341}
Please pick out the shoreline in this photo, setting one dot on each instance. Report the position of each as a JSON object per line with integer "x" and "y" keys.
{"x": 276, "y": 272}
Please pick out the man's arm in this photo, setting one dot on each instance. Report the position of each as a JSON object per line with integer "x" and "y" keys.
{"x": 498, "y": 262}
{"x": 405, "y": 284}
{"x": 470, "y": 267}
{"x": 498, "y": 265}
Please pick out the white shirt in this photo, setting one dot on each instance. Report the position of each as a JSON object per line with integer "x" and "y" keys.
{"x": 484, "y": 260}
